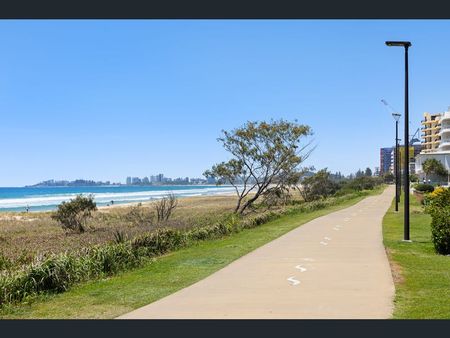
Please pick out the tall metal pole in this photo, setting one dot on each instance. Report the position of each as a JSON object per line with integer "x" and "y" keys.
{"x": 406, "y": 141}
{"x": 397, "y": 183}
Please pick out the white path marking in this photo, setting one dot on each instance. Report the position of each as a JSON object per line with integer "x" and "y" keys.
{"x": 323, "y": 243}
{"x": 337, "y": 229}
{"x": 301, "y": 268}
{"x": 293, "y": 280}
{"x": 308, "y": 259}
{"x": 327, "y": 238}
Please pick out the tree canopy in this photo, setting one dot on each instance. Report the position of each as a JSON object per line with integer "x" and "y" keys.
{"x": 433, "y": 166}
{"x": 264, "y": 155}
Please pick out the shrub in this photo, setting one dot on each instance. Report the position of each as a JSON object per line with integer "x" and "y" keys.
{"x": 160, "y": 241}
{"x": 276, "y": 196}
{"x": 318, "y": 186}
{"x": 424, "y": 187}
{"x": 139, "y": 216}
{"x": 120, "y": 237}
{"x": 437, "y": 204}
{"x": 73, "y": 215}
{"x": 362, "y": 183}
{"x": 440, "y": 230}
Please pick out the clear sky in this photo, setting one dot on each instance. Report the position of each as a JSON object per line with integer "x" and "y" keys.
{"x": 104, "y": 100}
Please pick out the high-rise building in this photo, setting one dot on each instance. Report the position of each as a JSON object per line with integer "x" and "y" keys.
{"x": 436, "y": 141}
{"x": 135, "y": 180}
{"x": 145, "y": 180}
{"x": 431, "y": 128}
{"x": 128, "y": 180}
{"x": 386, "y": 160}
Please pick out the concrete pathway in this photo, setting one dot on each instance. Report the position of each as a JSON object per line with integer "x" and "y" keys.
{"x": 332, "y": 267}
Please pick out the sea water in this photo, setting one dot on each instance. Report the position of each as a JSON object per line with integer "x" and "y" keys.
{"x": 48, "y": 198}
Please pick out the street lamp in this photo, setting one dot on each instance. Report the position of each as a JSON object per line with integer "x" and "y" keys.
{"x": 396, "y": 117}
{"x": 405, "y": 45}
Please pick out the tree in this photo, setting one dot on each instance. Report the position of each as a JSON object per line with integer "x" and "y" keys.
{"x": 73, "y": 215}
{"x": 317, "y": 186}
{"x": 263, "y": 154}
{"x": 433, "y": 166}
{"x": 368, "y": 172}
{"x": 165, "y": 206}
{"x": 359, "y": 173}
{"x": 388, "y": 177}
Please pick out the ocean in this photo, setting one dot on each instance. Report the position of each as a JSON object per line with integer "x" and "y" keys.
{"x": 48, "y": 198}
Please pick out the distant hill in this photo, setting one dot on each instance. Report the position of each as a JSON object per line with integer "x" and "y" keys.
{"x": 76, "y": 183}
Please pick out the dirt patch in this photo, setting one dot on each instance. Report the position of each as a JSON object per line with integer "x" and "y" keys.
{"x": 396, "y": 269}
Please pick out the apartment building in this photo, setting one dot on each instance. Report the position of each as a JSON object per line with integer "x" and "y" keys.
{"x": 435, "y": 140}
{"x": 431, "y": 128}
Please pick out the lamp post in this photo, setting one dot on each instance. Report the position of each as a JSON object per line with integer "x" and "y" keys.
{"x": 396, "y": 117}
{"x": 405, "y": 45}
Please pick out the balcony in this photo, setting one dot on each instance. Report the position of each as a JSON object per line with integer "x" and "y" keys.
{"x": 445, "y": 145}
{"x": 445, "y": 117}
{"x": 445, "y": 131}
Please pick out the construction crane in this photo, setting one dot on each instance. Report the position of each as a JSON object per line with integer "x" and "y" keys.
{"x": 390, "y": 108}
{"x": 393, "y": 110}
{"x": 414, "y": 140}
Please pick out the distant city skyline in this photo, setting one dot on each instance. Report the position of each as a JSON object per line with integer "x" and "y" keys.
{"x": 103, "y": 99}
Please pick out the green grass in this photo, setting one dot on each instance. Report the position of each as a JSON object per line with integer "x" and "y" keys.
{"x": 109, "y": 298}
{"x": 423, "y": 287}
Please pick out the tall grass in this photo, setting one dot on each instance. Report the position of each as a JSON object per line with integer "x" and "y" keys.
{"x": 58, "y": 273}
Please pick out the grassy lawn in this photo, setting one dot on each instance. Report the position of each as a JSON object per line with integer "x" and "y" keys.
{"x": 422, "y": 278}
{"x": 108, "y": 298}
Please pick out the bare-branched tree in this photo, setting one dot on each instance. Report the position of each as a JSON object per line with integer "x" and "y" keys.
{"x": 165, "y": 206}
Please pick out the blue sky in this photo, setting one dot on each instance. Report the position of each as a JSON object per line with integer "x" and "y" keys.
{"x": 106, "y": 99}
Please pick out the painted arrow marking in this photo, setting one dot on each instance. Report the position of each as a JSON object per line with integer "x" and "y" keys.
{"x": 293, "y": 280}
{"x": 301, "y": 268}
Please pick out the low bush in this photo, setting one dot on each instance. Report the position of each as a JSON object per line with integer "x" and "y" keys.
{"x": 422, "y": 187}
{"x": 160, "y": 241}
{"x": 362, "y": 183}
{"x": 73, "y": 215}
{"x": 437, "y": 204}
{"x": 440, "y": 231}
{"x": 139, "y": 216}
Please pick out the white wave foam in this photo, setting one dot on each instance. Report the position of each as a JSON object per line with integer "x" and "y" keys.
{"x": 106, "y": 197}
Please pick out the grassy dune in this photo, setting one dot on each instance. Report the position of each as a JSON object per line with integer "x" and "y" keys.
{"x": 36, "y": 233}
